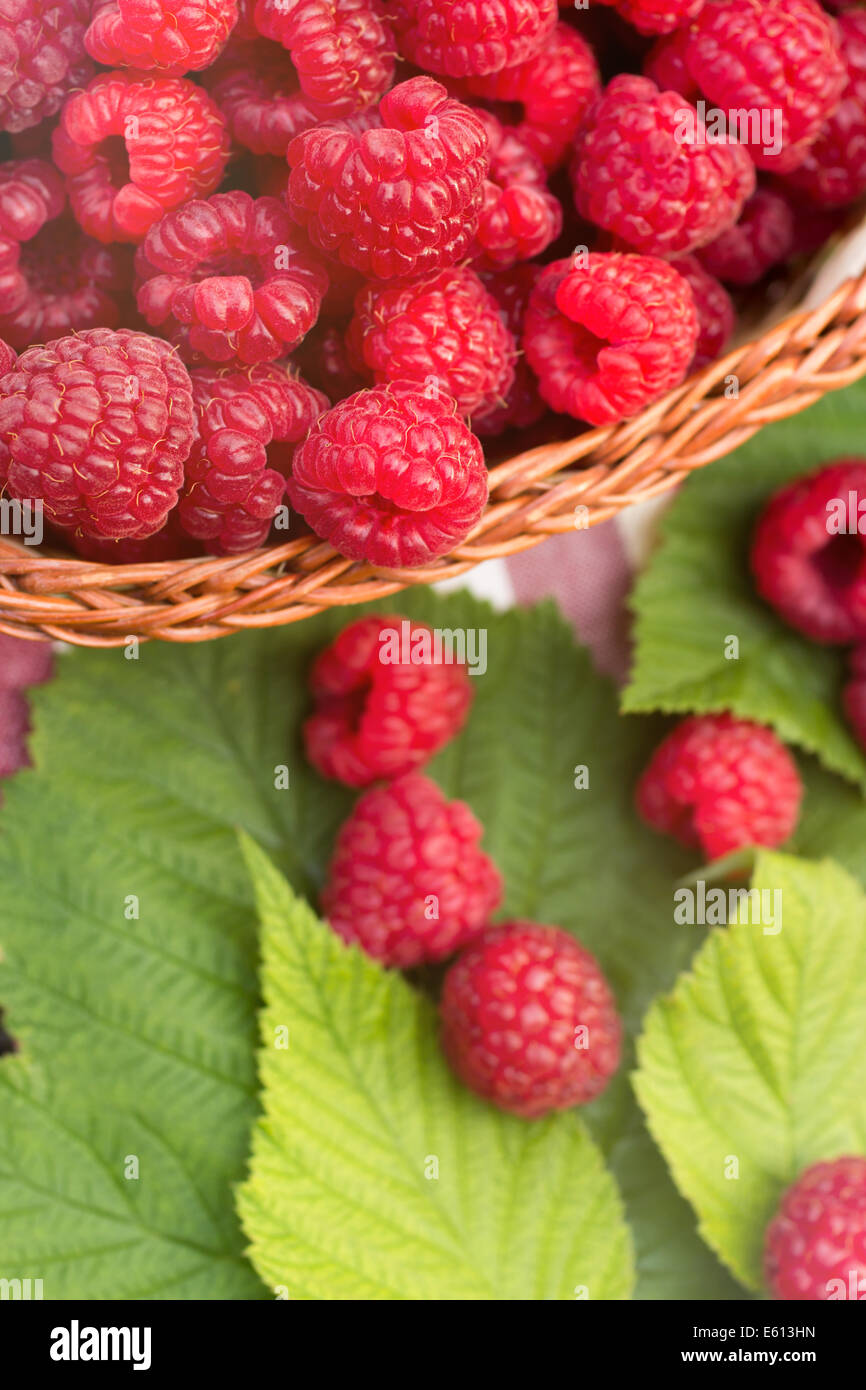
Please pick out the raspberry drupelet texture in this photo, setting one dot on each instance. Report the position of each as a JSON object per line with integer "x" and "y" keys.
{"x": 133, "y": 146}
{"x": 644, "y": 171}
{"x": 399, "y": 200}
{"x": 554, "y": 89}
{"x": 716, "y": 315}
{"x": 230, "y": 496}
{"x": 8, "y": 356}
{"x": 383, "y": 703}
{"x": 854, "y": 694}
{"x": 408, "y": 881}
{"x": 519, "y": 217}
{"x": 761, "y": 239}
{"x": 168, "y": 36}
{"x": 259, "y": 94}
{"x": 775, "y": 62}
{"x": 523, "y": 406}
{"x": 341, "y": 50}
{"x": 656, "y": 16}
{"x": 42, "y": 58}
{"x": 720, "y": 784}
{"x": 456, "y": 39}
{"x": 442, "y": 332}
{"x": 97, "y": 427}
{"x": 529, "y": 1021}
{"x": 808, "y": 555}
{"x": 833, "y": 172}
{"x": 609, "y": 333}
{"x": 815, "y": 1245}
{"x": 225, "y": 277}
{"x": 31, "y": 194}
{"x": 391, "y": 476}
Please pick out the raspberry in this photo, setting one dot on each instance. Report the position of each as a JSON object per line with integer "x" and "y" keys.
{"x": 457, "y": 39}
{"x": 408, "y": 882}
{"x": 97, "y": 426}
{"x": 529, "y": 1021}
{"x": 342, "y": 50}
{"x": 227, "y": 273}
{"x": 133, "y": 146}
{"x": 384, "y": 705}
{"x": 323, "y": 357}
{"x": 41, "y": 58}
{"x": 716, "y": 316}
{"x": 67, "y": 282}
{"x": 259, "y": 95}
{"x": 519, "y": 217}
{"x": 391, "y": 476}
{"x": 442, "y": 332}
{"x": 23, "y": 663}
{"x": 808, "y": 556}
{"x": 396, "y": 201}
{"x": 833, "y": 172}
{"x": 31, "y": 194}
{"x": 767, "y": 60}
{"x": 170, "y": 543}
{"x": 665, "y": 64}
{"x": 721, "y": 784}
{"x": 173, "y": 36}
{"x": 763, "y": 237}
{"x": 555, "y": 89}
{"x": 645, "y": 170}
{"x": 854, "y": 695}
{"x": 523, "y": 405}
{"x": 230, "y": 495}
{"x": 608, "y": 336}
{"x": 656, "y": 16}
{"x": 815, "y": 1245}
{"x": 8, "y": 357}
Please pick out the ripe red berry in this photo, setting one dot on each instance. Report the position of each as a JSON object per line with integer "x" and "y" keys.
{"x": 519, "y": 217}
{"x": 608, "y": 334}
{"x": 261, "y": 98}
{"x": 761, "y": 239}
{"x": 815, "y": 1246}
{"x": 7, "y": 358}
{"x": 226, "y": 278}
{"x": 230, "y": 495}
{"x": 443, "y": 332}
{"x": 341, "y": 50}
{"x": 401, "y": 199}
{"x": 97, "y": 427}
{"x": 408, "y": 882}
{"x": 41, "y": 58}
{"x": 168, "y": 36}
{"x": 457, "y": 39}
{"x": 716, "y": 315}
{"x": 175, "y": 141}
{"x": 529, "y": 1021}
{"x": 391, "y": 476}
{"x": 833, "y": 172}
{"x": 808, "y": 553}
{"x": 720, "y": 784}
{"x": 646, "y": 170}
{"x": 383, "y": 703}
{"x": 656, "y": 16}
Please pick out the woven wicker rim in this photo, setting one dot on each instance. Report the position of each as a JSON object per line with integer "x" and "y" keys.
{"x": 548, "y": 490}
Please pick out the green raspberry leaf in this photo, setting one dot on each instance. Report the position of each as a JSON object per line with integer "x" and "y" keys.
{"x": 755, "y": 1066}
{"x": 697, "y": 593}
{"x": 375, "y": 1174}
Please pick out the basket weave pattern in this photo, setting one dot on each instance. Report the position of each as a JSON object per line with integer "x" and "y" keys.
{"x": 535, "y": 495}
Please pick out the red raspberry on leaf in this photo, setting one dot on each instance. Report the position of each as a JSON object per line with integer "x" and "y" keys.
{"x": 608, "y": 333}
{"x": 133, "y": 146}
{"x": 402, "y": 199}
{"x": 391, "y": 476}
{"x": 383, "y": 704}
{"x": 815, "y": 1245}
{"x": 228, "y": 274}
{"x": 408, "y": 881}
{"x": 170, "y": 36}
{"x": 808, "y": 553}
{"x": 719, "y": 784}
{"x": 528, "y": 1020}
{"x": 97, "y": 427}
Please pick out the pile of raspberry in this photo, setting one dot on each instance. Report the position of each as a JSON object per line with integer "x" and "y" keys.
{"x": 527, "y": 1019}
{"x": 273, "y": 266}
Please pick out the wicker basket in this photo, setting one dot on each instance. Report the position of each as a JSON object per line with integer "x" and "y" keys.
{"x": 550, "y": 489}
